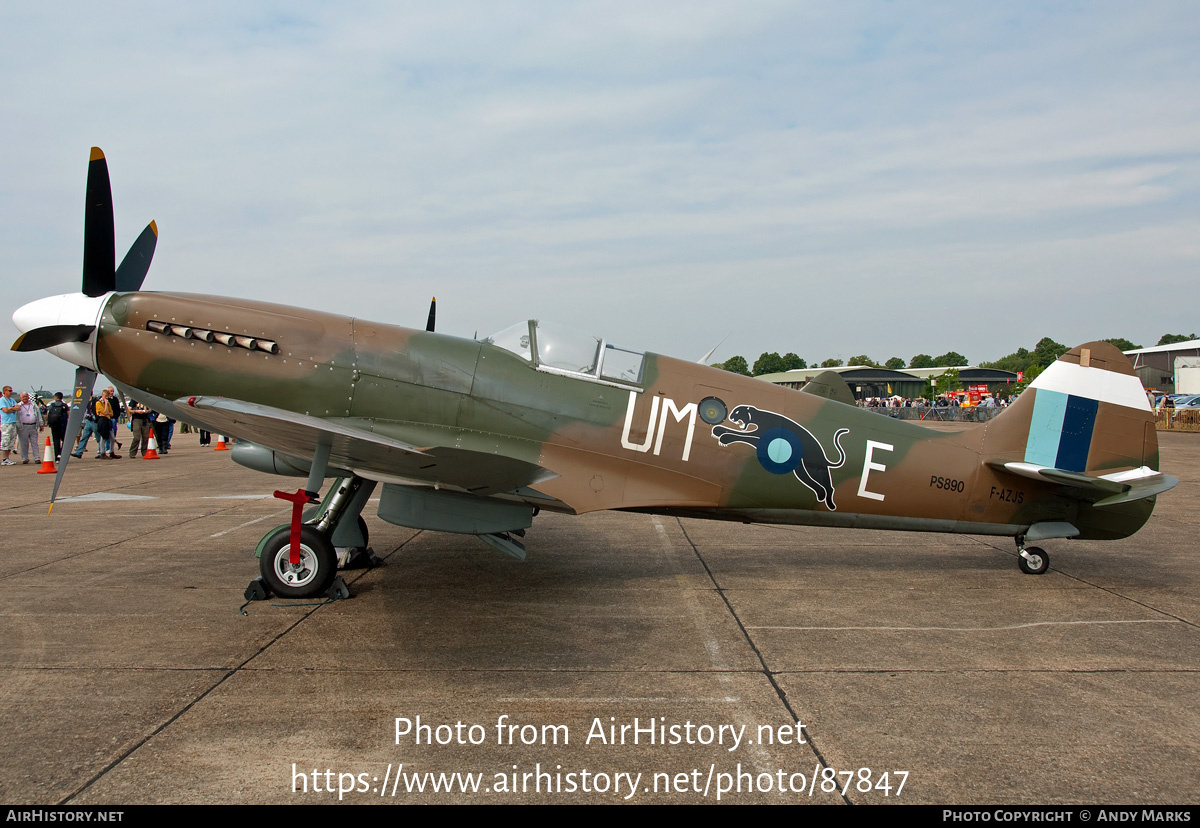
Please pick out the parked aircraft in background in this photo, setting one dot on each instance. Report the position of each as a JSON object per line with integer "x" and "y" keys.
{"x": 477, "y": 436}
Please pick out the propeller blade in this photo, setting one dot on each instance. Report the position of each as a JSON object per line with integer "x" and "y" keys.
{"x": 99, "y": 249}
{"x": 132, "y": 270}
{"x": 85, "y": 380}
{"x": 51, "y": 335}
{"x": 432, "y": 314}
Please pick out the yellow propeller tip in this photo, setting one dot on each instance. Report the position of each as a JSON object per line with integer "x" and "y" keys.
{"x": 97, "y": 154}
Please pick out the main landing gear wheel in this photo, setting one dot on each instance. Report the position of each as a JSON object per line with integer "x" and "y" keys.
{"x": 312, "y": 576}
{"x": 1033, "y": 560}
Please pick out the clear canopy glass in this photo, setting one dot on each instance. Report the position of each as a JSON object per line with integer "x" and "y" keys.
{"x": 558, "y": 349}
{"x": 515, "y": 339}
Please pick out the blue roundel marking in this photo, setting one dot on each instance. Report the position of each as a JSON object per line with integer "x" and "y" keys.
{"x": 779, "y": 450}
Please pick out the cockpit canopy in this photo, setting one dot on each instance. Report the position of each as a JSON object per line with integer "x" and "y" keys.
{"x": 555, "y": 349}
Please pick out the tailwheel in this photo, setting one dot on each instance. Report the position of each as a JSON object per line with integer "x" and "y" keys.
{"x": 1033, "y": 560}
{"x": 312, "y": 576}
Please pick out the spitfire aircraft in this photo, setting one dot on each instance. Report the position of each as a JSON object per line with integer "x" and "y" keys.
{"x": 477, "y": 437}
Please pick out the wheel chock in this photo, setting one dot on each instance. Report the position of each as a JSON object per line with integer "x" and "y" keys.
{"x": 257, "y": 590}
{"x": 362, "y": 558}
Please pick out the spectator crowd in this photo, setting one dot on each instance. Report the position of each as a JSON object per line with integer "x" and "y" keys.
{"x": 24, "y": 417}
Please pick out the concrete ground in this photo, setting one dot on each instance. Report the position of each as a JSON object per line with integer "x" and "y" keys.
{"x": 128, "y": 675}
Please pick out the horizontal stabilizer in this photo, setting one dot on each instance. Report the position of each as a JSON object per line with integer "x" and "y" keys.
{"x": 1105, "y": 490}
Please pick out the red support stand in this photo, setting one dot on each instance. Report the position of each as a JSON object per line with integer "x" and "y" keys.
{"x": 298, "y": 500}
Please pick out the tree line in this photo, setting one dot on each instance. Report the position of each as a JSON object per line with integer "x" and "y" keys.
{"x": 1023, "y": 360}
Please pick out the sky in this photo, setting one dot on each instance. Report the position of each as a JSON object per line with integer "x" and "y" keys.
{"x": 828, "y": 179}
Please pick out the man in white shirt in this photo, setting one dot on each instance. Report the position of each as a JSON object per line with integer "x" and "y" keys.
{"x": 29, "y": 423}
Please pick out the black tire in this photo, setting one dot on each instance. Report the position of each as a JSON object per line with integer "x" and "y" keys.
{"x": 318, "y": 564}
{"x": 1039, "y": 564}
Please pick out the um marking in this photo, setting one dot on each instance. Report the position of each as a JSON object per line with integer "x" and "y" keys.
{"x": 656, "y": 427}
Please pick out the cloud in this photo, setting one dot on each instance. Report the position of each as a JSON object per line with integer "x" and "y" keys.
{"x": 830, "y": 179}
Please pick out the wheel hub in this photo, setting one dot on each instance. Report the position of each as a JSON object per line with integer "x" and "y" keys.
{"x": 296, "y": 575}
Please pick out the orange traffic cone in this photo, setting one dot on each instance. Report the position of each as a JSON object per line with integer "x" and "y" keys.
{"x": 221, "y": 443}
{"x": 151, "y": 452}
{"x": 48, "y": 460}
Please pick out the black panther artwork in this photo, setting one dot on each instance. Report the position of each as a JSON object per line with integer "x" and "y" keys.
{"x": 783, "y": 446}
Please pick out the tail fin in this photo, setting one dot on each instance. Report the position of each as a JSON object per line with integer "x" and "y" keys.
{"x": 831, "y": 385}
{"x": 1091, "y": 413}
{"x": 1084, "y": 423}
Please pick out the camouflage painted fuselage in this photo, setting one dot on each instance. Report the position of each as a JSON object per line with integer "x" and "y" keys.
{"x": 480, "y": 414}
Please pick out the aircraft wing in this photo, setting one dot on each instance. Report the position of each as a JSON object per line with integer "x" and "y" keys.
{"x": 1106, "y": 490}
{"x": 368, "y": 454}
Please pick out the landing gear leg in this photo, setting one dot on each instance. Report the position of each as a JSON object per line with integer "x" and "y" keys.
{"x": 348, "y": 530}
{"x": 1033, "y": 560}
